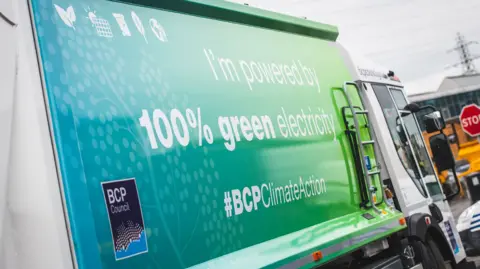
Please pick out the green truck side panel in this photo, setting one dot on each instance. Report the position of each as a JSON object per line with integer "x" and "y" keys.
{"x": 99, "y": 84}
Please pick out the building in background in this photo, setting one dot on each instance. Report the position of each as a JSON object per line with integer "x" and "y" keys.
{"x": 452, "y": 94}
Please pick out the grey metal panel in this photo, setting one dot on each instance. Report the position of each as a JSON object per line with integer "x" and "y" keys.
{"x": 450, "y": 86}
{"x": 455, "y": 82}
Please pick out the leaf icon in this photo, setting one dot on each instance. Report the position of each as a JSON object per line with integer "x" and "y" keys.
{"x": 67, "y": 16}
{"x": 139, "y": 25}
{"x": 71, "y": 14}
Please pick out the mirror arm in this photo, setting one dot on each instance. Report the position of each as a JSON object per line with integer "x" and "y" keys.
{"x": 457, "y": 182}
{"x": 414, "y": 108}
{"x": 429, "y": 107}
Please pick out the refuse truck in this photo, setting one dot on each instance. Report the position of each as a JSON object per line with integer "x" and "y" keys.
{"x": 206, "y": 134}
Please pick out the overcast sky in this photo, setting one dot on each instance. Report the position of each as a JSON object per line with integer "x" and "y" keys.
{"x": 410, "y": 37}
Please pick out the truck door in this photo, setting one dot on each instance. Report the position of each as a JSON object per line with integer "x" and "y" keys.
{"x": 411, "y": 147}
{"x": 397, "y": 154}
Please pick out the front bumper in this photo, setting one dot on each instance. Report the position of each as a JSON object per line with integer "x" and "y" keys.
{"x": 471, "y": 242}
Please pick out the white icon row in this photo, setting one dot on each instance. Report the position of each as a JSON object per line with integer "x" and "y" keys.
{"x": 103, "y": 28}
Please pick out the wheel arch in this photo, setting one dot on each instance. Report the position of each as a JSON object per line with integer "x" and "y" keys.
{"x": 421, "y": 226}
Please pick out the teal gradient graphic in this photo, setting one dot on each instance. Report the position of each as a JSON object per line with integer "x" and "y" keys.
{"x": 98, "y": 86}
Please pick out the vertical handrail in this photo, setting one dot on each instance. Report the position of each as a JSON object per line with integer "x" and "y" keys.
{"x": 371, "y": 188}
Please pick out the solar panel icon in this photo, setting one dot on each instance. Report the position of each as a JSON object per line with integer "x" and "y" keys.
{"x": 101, "y": 25}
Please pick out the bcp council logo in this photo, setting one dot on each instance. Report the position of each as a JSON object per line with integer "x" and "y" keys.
{"x": 126, "y": 219}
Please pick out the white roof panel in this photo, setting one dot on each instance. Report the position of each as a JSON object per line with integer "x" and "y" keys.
{"x": 369, "y": 71}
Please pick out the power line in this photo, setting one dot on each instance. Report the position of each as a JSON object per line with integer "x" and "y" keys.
{"x": 466, "y": 58}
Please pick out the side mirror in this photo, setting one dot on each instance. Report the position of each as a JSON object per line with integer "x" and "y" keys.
{"x": 436, "y": 212}
{"x": 443, "y": 158}
{"x": 441, "y": 152}
{"x": 434, "y": 122}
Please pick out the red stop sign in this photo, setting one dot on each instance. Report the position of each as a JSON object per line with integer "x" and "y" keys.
{"x": 470, "y": 119}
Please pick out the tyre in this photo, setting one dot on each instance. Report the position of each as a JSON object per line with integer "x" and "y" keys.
{"x": 437, "y": 254}
{"x": 430, "y": 255}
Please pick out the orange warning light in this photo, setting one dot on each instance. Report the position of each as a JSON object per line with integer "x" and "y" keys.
{"x": 402, "y": 221}
{"x": 317, "y": 255}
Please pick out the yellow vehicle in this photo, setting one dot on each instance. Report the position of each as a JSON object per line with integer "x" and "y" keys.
{"x": 466, "y": 150}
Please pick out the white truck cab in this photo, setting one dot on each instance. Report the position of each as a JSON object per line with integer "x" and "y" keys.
{"x": 405, "y": 164}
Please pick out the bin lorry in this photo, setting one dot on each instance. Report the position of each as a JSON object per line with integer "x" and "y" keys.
{"x": 466, "y": 150}
{"x": 206, "y": 134}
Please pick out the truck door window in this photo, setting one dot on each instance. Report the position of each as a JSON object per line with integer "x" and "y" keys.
{"x": 401, "y": 144}
{"x": 412, "y": 129}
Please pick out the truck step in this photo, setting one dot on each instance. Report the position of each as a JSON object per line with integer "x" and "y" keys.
{"x": 389, "y": 263}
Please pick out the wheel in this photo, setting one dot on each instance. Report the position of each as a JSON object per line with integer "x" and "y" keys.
{"x": 430, "y": 255}
{"x": 438, "y": 258}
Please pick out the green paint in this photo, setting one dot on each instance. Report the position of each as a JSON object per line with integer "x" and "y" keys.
{"x": 232, "y": 12}
{"x": 271, "y": 112}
